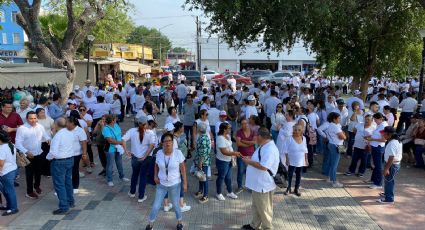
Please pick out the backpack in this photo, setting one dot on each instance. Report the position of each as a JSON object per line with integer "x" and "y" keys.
{"x": 310, "y": 133}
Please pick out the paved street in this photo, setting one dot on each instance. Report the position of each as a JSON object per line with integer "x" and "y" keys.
{"x": 101, "y": 207}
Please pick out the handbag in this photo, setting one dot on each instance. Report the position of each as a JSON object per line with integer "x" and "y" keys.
{"x": 200, "y": 175}
{"x": 22, "y": 160}
{"x": 233, "y": 161}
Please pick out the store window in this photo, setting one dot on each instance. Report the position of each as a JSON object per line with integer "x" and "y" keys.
{"x": 4, "y": 38}
{"x": 16, "y": 38}
{"x": 291, "y": 67}
{"x": 2, "y": 16}
{"x": 14, "y": 13}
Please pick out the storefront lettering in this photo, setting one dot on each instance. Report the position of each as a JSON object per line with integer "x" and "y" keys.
{"x": 8, "y": 53}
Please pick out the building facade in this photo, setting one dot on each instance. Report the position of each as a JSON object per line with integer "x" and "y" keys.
{"x": 12, "y": 48}
{"x": 124, "y": 51}
{"x": 217, "y": 55}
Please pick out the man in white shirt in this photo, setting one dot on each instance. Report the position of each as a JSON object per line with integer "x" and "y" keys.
{"x": 270, "y": 107}
{"x": 394, "y": 102}
{"x": 232, "y": 82}
{"x": 61, "y": 156}
{"x": 213, "y": 118}
{"x": 356, "y": 97}
{"x": 182, "y": 92}
{"x": 88, "y": 86}
{"x": 343, "y": 112}
{"x": 154, "y": 90}
{"x": 28, "y": 141}
{"x": 382, "y": 102}
{"x": 250, "y": 108}
{"x": 79, "y": 94}
{"x": 408, "y": 107}
{"x": 261, "y": 169}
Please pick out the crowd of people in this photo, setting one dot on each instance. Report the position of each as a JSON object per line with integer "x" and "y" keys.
{"x": 267, "y": 131}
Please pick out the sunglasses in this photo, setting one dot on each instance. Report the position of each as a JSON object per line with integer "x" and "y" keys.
{"x": 82, "y": 110}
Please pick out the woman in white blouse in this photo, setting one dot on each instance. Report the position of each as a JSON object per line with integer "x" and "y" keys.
{"x": 172, "y": 116}
{"x": 49, "y": 126}
{"x": 143, "y": 142}
{"x": 277, "y": 119}
{"x": 336, "y": 138}
{"x": 377, "y": 142}
{"x": 116, "y": 107}
{"x": 285, "y": 132}
{"x": 295, "y": 150}
{"x": 8, "y": 170}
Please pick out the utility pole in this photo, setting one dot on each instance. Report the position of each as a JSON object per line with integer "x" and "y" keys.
{"x": 198, "y": 45}
{"x": 218, "y": 53}
{"x": 160, "y": 53}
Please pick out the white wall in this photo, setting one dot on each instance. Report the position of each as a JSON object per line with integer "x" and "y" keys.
{"x": 224, "y": 64}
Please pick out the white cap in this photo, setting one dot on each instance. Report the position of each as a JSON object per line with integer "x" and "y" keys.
{"x": 77, "y": 87}
{"x": 251, "y": 98}
{"x": 223, "y": 113}
{"x": 169, "y": 127}
{"x": 357, "y": 92}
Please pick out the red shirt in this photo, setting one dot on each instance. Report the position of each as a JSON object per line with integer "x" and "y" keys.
{"x": 246, "y": 151}
{"x": 12, "y": 121}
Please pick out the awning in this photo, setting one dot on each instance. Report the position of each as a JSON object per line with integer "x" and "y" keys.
{"x": 25, "y": 75}
{"x": 127, "y": 66}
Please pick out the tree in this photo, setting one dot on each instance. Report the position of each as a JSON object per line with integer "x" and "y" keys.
{"x": 150, "y": 37}
{"x": 179, "y": 50}
{"x": 82, "y": 15}
{"x": 355, "y": 37}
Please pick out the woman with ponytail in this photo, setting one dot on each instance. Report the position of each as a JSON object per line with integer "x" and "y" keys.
{"x": 143, "y": 142}
{"x": 8, "y": 169}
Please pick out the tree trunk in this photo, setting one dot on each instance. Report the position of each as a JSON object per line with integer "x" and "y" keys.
{"x": 370, "y": 68}
{"x": 355, "y": 83}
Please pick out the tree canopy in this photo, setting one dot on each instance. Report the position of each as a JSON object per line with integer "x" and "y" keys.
{"x": 179, "y": 50}
{"x": 150, "y": 37}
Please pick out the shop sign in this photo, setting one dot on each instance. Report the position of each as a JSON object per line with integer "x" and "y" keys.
{"x": 8, "y": 53}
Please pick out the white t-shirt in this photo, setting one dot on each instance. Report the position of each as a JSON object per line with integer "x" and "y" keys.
{"x": 171, "y": 162}
{"x": 8, "y": 158}
{"x": 332, "y": 131}
{"x": 79, "y": 135}
{"x": 100, "y": 109}
{"x": 361, "y": 133}
{"x": 171, "y": 119}
{"x": 260, "y": 180}
{"x": 394, "y": 148}
{"x": 312, "y": 119}
{"x": 223, "y": 143}
{"x": 296, "y": 152}
{"x": 376, "y": 134}
{"x": 138, "y": 148}
{"x": 249, "y": 111}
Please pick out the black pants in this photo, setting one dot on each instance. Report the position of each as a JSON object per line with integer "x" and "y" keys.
{"x": 268, "y": 122}
{"x": 90, "y": 153}
{"x": 297, "y": 170}
{"x": 94, "y": 123}
{"x": 102, "y": 156}
{"x": 404, "y": 119}
{"x": 45, "y": 164}
{"x": 76, "y": 172}
{"x": 128, "y": 107}
{"x": 188, "y": 133}
{"x": 33, "y": 173}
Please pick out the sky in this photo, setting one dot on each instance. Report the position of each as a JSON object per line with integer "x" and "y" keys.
{"x": 162, "y": 13}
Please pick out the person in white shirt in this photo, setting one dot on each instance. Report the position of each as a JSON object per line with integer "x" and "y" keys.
{"x": 88, "y": 87}
{"x": 28, "y": 141}
{"x": 8, "y": 170}
{"x": 182, "y": 92}
{"x": 336, "y": 138}
{"x": 172, "y": 117}
{"x": 392, "y": 158}
{"x": 23, "y": 108}
{"x": 343, "y": 112}
{"x": 295, "y": 149}
{"x": 155, "y": 90}
{"x": 382, "y": 102}
{"x": 224, "y": 157}
{"x": 116, "y": 106}
{"x": 355, "y": 98}
{"x": 143, "y": 142}
{"x": 89, "y": 100}
{"x": 277, "y": 120}
{"x": 170, "y": 177}
{"x": 79, "y": 94}
{"x": 285, "y": 132}
{"x": 250, "y": 108}
{"x": 330, "y": 104}
{"x": 61, "y": 156}
{"x": 270, "y": 107}
{"x": 388, "y": 115}
{"x": 131, "y": 91}
{"x": 100, "y": 109}
{"x": 79, "y": 137}
{"x": 377, "y": 142}
{"x": 213, "y": 117}
{"x": 261, "y": 169}
{"x": 408, "y": 106}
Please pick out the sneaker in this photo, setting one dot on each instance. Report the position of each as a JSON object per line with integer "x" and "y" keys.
{"x": 361, "y": 175}
{"x": 75, "y": 190}
{"x": 287, "y": 192}
{"x": 185, "y": 208}
{"x": 179, "y": 226}
{"x": 131, "y": 195}
{"x": 102, "y": 173}
{"x": 382, "y": 194}
{"x": 337, "y": 185}
{"x": 141, "y": 200}
{"x": 32, "y": 195}
{"x": 347, "y": 173}
{"x": 240, "y": 190}
{"x": 232, "y": 195}
{"x": 59, "y": 212}
{"x": 368, "y": 182}
{"x": 168, "y": 208}
{"x": 203, "y": 200}
{"x": 375, "y": 187}
{"x": 149, "y": 227}
{"x": 10, "y": 212}
{"x": 82, "y": 174}
{"x": 38, "y": 190}
{"x": 383, "y": 201}
{"x": 220, "y": 197}
{"x": 248, "y": 227}
{"x": 198, "y": 194}
{"x": 110, "y": 184}
{"x": 128, "y": 115}
{"x": 125, "y": 179}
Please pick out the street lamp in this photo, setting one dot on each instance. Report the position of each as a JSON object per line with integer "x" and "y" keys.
{"x": 421, "y": 77}
{"x": 90, "y": 39}
{"x": 160, "y": 44}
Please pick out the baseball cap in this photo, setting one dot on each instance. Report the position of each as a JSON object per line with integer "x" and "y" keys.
{"x": 77, "y": 87}
{"x": 169, "y": 127}
{"x": 251, "y": 98}
{"x": 142, "y": 120}
{"x": 340, "y": 101}
{"x": 223, "y": 113}
{"x": 357, "y": 92}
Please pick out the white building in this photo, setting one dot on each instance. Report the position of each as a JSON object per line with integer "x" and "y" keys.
{"x": 220, "y": 57}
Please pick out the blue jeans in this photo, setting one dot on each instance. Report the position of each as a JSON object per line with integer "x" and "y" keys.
{"x": 118, "y": 161}
{"x": 203, "y": 185}
{"x": 241, "y": 171}
{"x": 181, "y": 102}
{"x": 326, "y": 159}
{"x": 377, "y": 153}
{"x": 298, "y": 173}
{"x": 351, "y": 137}
{"x": 419, "y": 151}
{"x": 8, "y": 190}
{"x": 358, "y": 154}
{"x": 275, "y": 133}
{"x": 161, "y": 191}
{"x": 140, "y": 171}
{"x": 389, "y": 182}
{"x": 224, "y": 169}
{"x": 62, "y": 182}
{"x": 333, "y": 161}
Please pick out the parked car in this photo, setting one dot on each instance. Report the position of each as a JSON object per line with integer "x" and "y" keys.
{"x": 193, "y": 77}
{"x": 240, "y": 80}
{"x": 278, "y": 77}
{"x": 209, "y": 74}
{"x": 256, "y": 74}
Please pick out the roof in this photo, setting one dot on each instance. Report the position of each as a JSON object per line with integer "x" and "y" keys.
{"x": 24, "y": 75}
